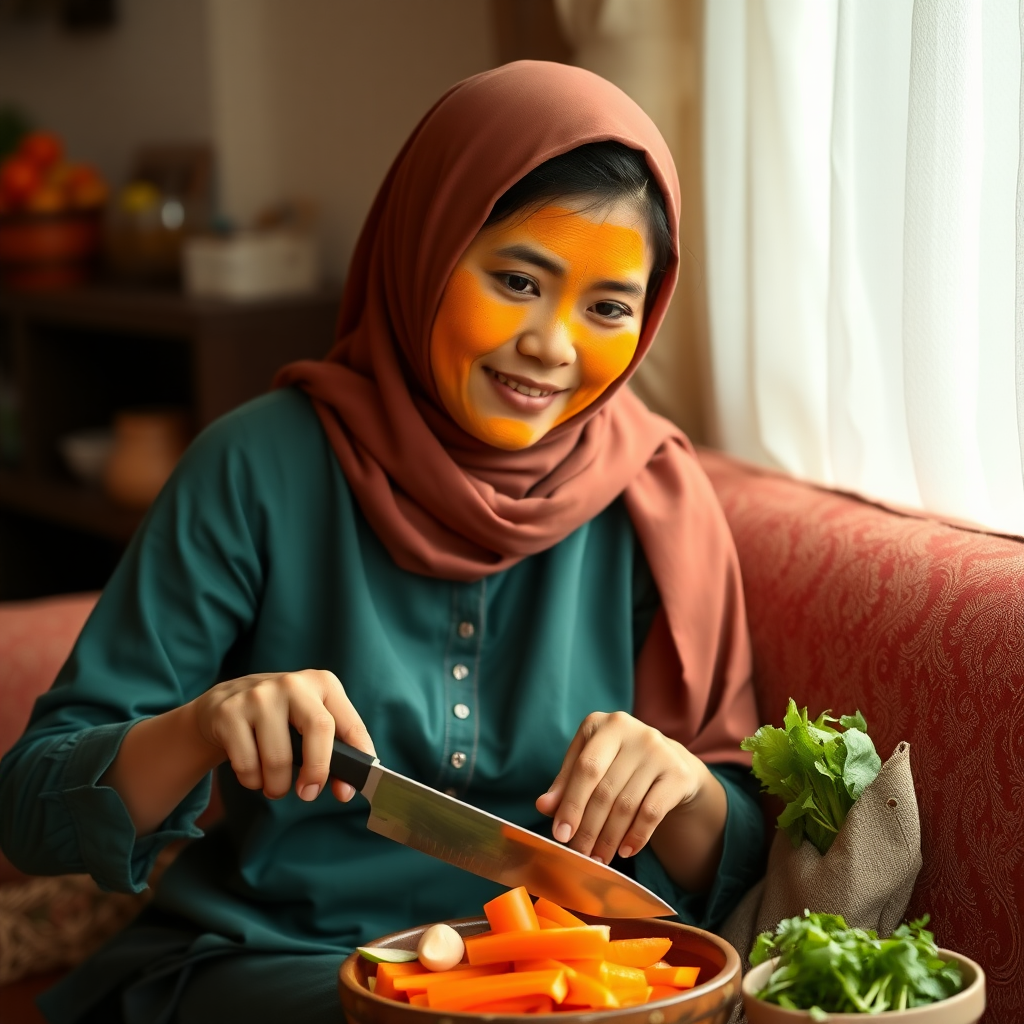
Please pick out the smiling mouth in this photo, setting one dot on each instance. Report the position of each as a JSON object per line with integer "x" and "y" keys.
{"x": 522, "y": 387}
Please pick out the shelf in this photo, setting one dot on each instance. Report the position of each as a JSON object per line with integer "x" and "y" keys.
{"x": 67, "y": 504}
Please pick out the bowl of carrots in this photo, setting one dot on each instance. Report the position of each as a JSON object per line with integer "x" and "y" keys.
{"x": 524, "y": 959}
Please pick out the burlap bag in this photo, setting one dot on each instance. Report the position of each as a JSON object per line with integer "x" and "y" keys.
{"x": 867, "y": 875}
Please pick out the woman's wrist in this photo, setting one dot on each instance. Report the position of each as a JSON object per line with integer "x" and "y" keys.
{"x": 688, "y": 842}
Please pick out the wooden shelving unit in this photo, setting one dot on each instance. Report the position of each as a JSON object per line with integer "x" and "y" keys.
{"x": 77, "y": 357}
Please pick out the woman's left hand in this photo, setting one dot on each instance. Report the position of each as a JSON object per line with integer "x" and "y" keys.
{"x": 620, "y": 779}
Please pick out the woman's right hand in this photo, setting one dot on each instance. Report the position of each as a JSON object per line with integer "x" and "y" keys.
{"x": 248, "y": 719}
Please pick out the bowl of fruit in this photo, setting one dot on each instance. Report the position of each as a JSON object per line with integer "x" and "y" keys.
{"x": 523, "y": 958}
{"x": 51, "y": 213}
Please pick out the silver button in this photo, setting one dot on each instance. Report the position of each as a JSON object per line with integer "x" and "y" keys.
{"x": 461, "y": 710}
{"x": 466, "y": 630}
{"x": 458, "y": 759}
{"x": 460, "y": 672}
{"x": 451, "y": 791}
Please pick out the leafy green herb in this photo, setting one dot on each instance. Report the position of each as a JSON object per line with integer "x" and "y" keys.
{"x": 826, "y": 967}
{"x": 818, "y": 770}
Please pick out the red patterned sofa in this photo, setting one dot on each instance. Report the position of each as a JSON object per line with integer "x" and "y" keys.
{"x": 918, "y": 624}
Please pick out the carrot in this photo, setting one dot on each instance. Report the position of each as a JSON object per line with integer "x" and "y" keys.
{"x": 662, "y": 973}
{"x": 553, "y": 912}
{"x": 418, "y": 999}
{"x": 518, "y": 1004}
{"x": 546, "y": 922}
{"x": 589, "y": 992}
{"x": 620, "y": 979}
{"x": 413, "y": 984}
{"x": 463, "y": 994}
{"x": 512, "y": 911}
{"x": 543, "y": 964}
{"x": 587, "y": 943}
{"x": 638, "y": 952}
{"x": 388, "y": 973}
{"x": 662, "y": 992}
{"x": 636, "y": 996}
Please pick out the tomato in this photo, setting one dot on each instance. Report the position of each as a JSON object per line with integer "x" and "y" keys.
{"x": 19, "y": 178}
{"x": 42, "y": 148}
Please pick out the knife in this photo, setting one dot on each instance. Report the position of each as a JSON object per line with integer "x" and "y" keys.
{"x": 484, "y": 844}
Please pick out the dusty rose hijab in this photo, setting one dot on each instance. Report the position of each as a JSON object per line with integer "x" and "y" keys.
{"x": 448, "y": 505}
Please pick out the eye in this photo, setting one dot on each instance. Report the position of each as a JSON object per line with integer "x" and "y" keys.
{"x": 518, "y": 283}
{"x": 611, "y": 310}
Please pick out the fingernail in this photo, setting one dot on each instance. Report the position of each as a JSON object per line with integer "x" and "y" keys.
{"x": 597, "y": 858}
{"x": 347, "y": 791}
{"x": 625, "y": 851}
{"x": 563, "y": 830}
{"x": 310, "y": 792}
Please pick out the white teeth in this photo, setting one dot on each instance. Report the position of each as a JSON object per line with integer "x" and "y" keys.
{"x": 521, "y": 388}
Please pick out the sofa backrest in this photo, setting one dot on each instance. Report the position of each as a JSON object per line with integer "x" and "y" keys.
{"x": 921, "y": 626}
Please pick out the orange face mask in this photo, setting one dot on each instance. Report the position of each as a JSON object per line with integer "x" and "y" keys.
{"x": 548, "y": 308}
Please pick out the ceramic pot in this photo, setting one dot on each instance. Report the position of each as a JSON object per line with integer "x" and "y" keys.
{"x": 710, "y": 1001}
{"x": 966, "y": 1007}
{"x": 147, "y": 446}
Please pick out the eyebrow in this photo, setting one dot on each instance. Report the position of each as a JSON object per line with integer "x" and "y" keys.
{"x": 526, "y": 254}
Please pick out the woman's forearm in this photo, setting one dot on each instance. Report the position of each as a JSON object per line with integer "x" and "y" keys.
{"x": 160, "y": 761}
{"x": 689, "y": 840}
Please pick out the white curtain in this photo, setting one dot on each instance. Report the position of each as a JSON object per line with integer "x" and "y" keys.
{"x": 864, "y": 212}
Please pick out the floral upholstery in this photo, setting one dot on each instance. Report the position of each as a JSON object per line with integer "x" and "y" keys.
{"x": 921, "y": 626}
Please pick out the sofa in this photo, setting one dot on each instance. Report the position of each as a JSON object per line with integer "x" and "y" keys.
{"x": 917, "y": 623}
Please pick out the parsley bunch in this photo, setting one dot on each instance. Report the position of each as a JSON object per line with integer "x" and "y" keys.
{"x": 816, "y": 769}
{"x": 826, "y": 967}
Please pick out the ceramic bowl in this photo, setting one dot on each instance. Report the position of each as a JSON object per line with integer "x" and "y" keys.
{"x": 966, "y": 1007}
{"x": 711, "y": 1001}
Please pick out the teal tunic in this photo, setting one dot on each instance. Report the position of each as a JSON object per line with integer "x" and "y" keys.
{"x": 257, "y": 558}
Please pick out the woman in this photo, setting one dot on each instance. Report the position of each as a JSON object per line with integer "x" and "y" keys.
{"x": 459, "y": 542}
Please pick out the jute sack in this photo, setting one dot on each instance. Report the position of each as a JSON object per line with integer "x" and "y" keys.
{"x": 867, "y": 875}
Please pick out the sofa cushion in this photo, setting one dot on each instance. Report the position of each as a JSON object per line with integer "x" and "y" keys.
{"x": 921, "y": 626}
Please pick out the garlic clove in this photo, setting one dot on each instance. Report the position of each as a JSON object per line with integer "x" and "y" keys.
{"x": 440, "y": 948}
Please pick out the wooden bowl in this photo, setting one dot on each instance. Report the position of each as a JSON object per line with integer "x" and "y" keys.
{"x": 966, "y": 1007}
{"x": 49, "y": 250}
{"x": 711, "y": 1001}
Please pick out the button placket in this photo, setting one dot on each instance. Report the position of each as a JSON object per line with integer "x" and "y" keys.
{"x": 461, "y": 668}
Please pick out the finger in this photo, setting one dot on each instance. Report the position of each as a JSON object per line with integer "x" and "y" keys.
{"x": 600, "y": 806}
{"x": 349, "y": 728}
{"x": 586, "y": 773}
{"x": 622, "y": 813}
{"x": 661, "y": 798}
{"x": 316, "y": 725}
{"x": 270, "y": 724}
{"x": 547, "y": 803}
{"x": 235, "y": 735}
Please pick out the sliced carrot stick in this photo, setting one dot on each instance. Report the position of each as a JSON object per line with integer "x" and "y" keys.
{"x": 546, "y": 922}
{"x": 620, "y": 979}
{"x": 419, "y": 999}
{"x": 518, "y": 1004}
{"x": 388, "y": 973}
{"x": 662, "y": 992}
{"x": 512, "y": 911}
{"x": 638, "y": 952}
{"x": 662, "y": 973}
{"x": 414, "y": 983}
{"x": 585, "y": 991}
{"x": 462, "y": 994}
{"x": 587, "y": 943}
{"x": 636, "y": 996}
{"x": 543, "y": 964}
{"x": 553, "y": 912}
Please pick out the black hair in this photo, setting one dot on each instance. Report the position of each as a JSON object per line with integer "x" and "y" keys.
{"x": 604, "y": 173}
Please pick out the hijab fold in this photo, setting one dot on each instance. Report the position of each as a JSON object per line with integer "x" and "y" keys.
{"x": 448, "y": 505}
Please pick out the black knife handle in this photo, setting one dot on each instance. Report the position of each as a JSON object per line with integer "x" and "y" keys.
{"x": 348, "y": 764}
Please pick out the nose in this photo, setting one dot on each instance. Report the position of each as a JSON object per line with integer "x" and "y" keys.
{"x": 550, "y": 341}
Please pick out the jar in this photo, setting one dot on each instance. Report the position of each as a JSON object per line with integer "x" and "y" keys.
{"x": 147, "y": 446}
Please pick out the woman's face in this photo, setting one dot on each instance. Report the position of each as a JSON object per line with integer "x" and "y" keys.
{"x": 538, "y": 318}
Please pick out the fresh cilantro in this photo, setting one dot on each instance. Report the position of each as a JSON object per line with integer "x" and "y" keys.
{"x": 826, "y": 967}
{"x": 817, "y": 770}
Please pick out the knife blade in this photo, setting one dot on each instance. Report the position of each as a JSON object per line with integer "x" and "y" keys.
{"x": 477, "y": 841}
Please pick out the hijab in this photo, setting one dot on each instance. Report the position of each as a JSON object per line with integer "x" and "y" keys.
{"x": 448, "y": 505}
